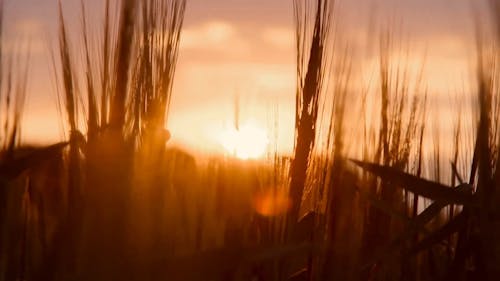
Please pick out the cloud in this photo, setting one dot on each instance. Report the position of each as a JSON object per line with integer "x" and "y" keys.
{"x": 214, "y": 36}
{"x": 225, "y": 79}
{"x": 282, "y": 38}
{"x": 28, "y": 26}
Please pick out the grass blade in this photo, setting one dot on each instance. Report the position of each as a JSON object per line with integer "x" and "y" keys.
{"x": 417, "y": 185}
{"x": 454, "y": 225}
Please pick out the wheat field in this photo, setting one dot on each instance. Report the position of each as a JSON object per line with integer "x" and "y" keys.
{"x": 388, "y": 198}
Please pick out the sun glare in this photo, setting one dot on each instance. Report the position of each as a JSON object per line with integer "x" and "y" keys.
{"x": 248, "y": 142}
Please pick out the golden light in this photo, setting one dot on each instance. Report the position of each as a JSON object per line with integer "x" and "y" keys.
{"x": 248, "y": 142}
{"x": 272, "y": 203}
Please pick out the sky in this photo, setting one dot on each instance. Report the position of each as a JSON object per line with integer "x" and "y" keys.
{"x": 245, "y": 48}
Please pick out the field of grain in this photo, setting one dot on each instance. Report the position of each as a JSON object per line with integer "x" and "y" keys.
{"x": 372, "y": 191}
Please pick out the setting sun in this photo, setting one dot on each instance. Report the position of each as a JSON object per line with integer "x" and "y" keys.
{"x": 254, "y": 140}
{"x": 248, "y": 142}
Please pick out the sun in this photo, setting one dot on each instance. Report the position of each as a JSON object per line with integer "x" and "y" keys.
{"x": 248, "y": 142}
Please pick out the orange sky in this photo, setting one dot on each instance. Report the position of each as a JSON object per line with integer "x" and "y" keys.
{"x": 246, "y": 48}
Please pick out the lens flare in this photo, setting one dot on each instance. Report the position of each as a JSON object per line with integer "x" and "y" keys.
{"x": 272, "y": 203}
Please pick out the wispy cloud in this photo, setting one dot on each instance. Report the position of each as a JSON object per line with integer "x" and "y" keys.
{"x": 214, "y": 36}
{"x": 279, "y": 37}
